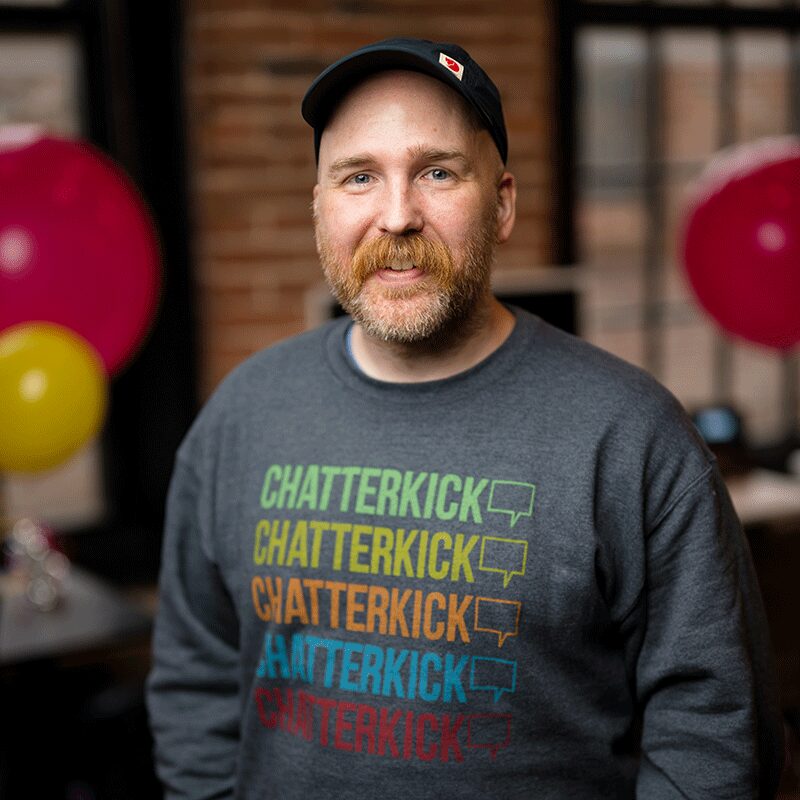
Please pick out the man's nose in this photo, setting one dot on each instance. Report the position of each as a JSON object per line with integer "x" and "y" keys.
{"x": 400, "y": 210}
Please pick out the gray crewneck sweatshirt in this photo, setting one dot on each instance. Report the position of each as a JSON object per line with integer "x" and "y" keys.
{"x": 526, "y": 580}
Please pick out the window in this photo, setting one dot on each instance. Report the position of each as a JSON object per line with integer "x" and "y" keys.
{"x": 659, "y": 88}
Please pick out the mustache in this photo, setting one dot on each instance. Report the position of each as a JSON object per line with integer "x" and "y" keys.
{"x": 429, "y": 256}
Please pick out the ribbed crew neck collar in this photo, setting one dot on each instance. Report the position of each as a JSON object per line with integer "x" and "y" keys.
{"x": 489, "y": 371}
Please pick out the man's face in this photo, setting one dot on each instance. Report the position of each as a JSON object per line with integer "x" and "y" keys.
{"x": 410, "y": 202}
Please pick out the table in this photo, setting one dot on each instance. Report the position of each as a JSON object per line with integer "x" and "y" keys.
{"x": 91, "y": 615}
{"x": 764, "y": 497}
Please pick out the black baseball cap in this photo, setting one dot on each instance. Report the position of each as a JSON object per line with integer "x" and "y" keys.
{"x": 449, "y": 63}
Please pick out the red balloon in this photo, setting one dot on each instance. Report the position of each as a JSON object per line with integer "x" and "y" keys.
{"x": 77, "y": 246}
{"x": 742, "y": 243}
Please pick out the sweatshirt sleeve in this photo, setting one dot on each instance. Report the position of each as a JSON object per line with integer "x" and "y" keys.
{"x": 705, "y": 681}
{"x": 192, "y": 691}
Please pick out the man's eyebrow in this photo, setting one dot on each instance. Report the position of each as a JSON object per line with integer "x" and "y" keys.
{"x": 436, "y": 154}
{"x": 351, "y": 162}
{"x": 419, "y": 153}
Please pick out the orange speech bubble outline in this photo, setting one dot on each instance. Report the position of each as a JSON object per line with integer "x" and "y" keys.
{"x": 501, "y": 635}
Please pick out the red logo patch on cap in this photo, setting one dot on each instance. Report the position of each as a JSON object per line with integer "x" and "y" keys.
{"x": 454, "y": 66}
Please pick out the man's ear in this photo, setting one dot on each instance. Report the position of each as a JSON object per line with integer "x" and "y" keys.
{"x": 506, "y": 206}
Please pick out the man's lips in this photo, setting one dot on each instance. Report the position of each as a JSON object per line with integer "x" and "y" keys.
{"x": 401, "y": 265}
{"x": 395, "y": 274}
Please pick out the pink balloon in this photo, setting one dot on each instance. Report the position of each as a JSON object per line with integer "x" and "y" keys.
{"x": 742, "y": 244}
{"x": 77, "y": 246}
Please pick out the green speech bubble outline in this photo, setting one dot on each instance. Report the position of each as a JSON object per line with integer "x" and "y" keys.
{"x": 515, "y": 515}
{"x": 508, "y": 574}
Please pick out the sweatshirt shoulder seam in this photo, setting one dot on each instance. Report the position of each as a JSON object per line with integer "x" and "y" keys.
{"x": 678, "y": 499}
{"x": 659, "y": 520}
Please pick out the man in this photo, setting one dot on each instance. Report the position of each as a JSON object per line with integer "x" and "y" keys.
{"x": 443, "y": 550}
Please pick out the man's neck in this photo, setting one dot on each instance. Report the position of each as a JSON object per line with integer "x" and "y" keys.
{"x": 437, "y": 358}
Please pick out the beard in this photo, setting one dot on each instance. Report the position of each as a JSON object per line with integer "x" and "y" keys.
{"x": 446, "y": 301}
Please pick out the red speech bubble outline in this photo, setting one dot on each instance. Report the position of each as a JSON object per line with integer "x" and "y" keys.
{"x": 502, "y": 635}
{"x": 492, "y": 747}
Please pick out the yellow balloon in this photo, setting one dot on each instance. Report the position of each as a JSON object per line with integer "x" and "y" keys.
{"x": 53, "y": 396}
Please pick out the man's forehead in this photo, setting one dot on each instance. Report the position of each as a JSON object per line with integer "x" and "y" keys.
{"x": 430, "y": 114}
{"x": 381, "y": 89}
{"x": 404, "y": 118}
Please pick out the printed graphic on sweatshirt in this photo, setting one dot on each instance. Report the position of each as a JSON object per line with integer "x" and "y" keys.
{"x": 326, "y": 537}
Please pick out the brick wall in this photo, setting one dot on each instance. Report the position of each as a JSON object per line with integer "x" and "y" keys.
{"x": 252, "y": 168}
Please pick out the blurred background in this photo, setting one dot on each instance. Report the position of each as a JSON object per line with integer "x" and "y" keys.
{"x": 613, "y": 110}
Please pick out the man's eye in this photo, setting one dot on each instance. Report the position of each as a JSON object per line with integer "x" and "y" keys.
{"x": 439, "y": 174}
{"x": 361, "y": 179}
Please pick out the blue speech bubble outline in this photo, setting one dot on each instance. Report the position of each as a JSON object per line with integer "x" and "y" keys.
{"x": 492, "y": 747}
{"x": 508, "y": 574}
{"x": 497, "y": 690}
{"x": 501, "y": 635}
{"x": 515, "y": 515}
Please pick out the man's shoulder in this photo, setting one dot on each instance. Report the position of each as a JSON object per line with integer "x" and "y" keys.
{"x": 300, "y": 354}
{"x": 570, "y": 366}
{"x": 595, "y": 402}
{"x": 284, "y": 372}
{"x": 307, "y": 346}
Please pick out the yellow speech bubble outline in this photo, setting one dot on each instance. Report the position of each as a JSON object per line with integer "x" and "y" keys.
{"x": 508, "y": 574}
{"x": 501, "y": 635}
